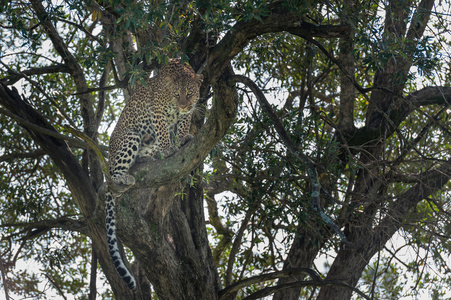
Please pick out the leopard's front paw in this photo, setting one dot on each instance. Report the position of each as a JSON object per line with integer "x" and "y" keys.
{"x": 144, "y": 159}
{"x": 123, "y": 182}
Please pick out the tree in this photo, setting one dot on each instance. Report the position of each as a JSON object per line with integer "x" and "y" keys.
{"x": 322, "y": 130}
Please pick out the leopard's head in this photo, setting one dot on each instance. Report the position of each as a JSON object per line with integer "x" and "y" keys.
{"x": 186, "y": 93}
{"x": 183, "y": 84}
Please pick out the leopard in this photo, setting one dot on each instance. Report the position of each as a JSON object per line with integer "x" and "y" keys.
{"x": 152, "y": 125}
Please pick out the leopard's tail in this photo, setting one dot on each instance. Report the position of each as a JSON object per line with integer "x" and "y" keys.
{"x": 110, "y": 221}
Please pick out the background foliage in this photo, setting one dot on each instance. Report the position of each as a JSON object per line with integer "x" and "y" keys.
{"x": 362, "y": 88}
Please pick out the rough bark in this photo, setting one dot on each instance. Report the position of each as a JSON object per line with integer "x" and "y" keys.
{"x": 347, "y": 90}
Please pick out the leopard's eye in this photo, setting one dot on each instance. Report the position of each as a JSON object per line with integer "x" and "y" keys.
{"x": 176, "y": 94}
{"x": 189, "y": 93}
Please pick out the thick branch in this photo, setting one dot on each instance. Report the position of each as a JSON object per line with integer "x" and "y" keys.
{"x": 13, "y": 78}
{"x": 402, "y": 108}
{"x": 322, "y": 282}
{"x": 16, "y": 155}
{"x": 232, "y": 289}
{"x": 38, "y": 228}
{"x": 419, "y": 21}
{"x": 280, "y": 19}
{"x": 347, "y": 92}
{"x": 426, "y": 96}
{"x": 193, "y": 153}
{"x": 398, "y": 66}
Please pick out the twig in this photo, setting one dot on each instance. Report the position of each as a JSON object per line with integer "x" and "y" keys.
{"x": 79, "y": 26}
{"x": 55, "y": 285}
{"x": 97, "y": 89}
{"x": 236, "y": 244}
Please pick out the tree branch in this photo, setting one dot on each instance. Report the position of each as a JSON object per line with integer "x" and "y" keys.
{"x": 194, "y": 152}
{"x": 232, "y": 289}
{"x": 294, "y": 149}
{"x": 16, "y": 76}
{"x": 19, "y": 155}
{"x": 368, "y": 240}
{"x": 215, "y": 221}
{"x": 49, "y": 132}
{"x": 93, "y": 276}
{"x": 87, "y": 111}
{"x": 397, "y": 211}
{"x": 438, "y": 95}
{"x": 342, "y": 68}
{"x": 108, "y": 20}
{"x": 280, "y": 19}
{"x": 4, "y": 280}
{"x": 346, "y": 56}
{"x": 228, "y": 292}
{"x": 237, "y": 243}
{"x": 80, "y": 26}
{"x": 429, "y": 95}
{"x": 55, "y": 285}
{"x": 98, "y": 89}
{"x": 321, "y": 282}
{"x": 420, "y": 20}
{"x": 39, "y": 87}
{"x": 412, "y": 143}
{"x": 35, "y": 229}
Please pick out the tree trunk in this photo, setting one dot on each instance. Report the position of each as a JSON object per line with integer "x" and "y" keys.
{"x": 170, "y": 240}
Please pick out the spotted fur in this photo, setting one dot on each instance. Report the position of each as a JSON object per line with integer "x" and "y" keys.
{"x": 154, "y": 121}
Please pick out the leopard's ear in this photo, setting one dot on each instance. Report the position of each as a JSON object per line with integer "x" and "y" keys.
{"x": 199, "y": 78}
{"x": 167, "y": 81}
